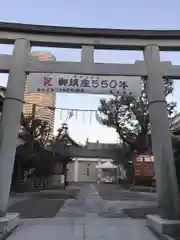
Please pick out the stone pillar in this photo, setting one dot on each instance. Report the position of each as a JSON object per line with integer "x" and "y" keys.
{"x": 87, "y": 54}
{"x": 166, "y": 181}
{"x": 10, "y": 124}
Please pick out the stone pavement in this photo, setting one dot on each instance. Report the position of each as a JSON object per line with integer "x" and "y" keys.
{"x": 132, "y": 204}
{"x": 83, "y": 228}
{"x": 42, "y": 204}
{"x": 89, "y": 203}
{"x": 16, "y": 199}
{"x": 88, "y": 217}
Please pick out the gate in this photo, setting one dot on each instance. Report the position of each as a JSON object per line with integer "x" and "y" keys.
{"x": 21, "y": 63}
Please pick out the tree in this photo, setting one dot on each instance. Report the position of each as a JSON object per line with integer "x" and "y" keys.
{"x": 176, "y": 150}
{"x": 31, "y": 158}
{"x": 44, "y": 165}
{"x": 64, "y": 139}
{"x": 129, "y": 116}
{"x": 34, "y": 129}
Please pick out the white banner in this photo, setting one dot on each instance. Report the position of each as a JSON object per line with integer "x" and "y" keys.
{"x": 91, "y": 84}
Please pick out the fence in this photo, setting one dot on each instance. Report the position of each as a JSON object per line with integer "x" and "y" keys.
{"x": 31, "y": 185}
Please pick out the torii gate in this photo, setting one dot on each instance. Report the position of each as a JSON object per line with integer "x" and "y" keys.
{"x": 150, "y": 42}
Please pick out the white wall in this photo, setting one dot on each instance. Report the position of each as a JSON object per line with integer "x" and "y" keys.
{"x": 70, "y": 172}
{"x": 77, "y": 170}
{"x": 87, "y": 171}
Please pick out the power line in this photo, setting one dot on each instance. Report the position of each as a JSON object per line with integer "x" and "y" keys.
{"x": 60, "y": 108}
{"x": 51, "y": 107}
{"x": 72, "y": 111}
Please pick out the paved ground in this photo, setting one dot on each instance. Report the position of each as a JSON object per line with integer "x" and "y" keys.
{"x": 112, "y": 201}
{"x": 16, "y": 199}
{"x": 44, "y": 204}
{"x": 37, "y": 207}
{"x": 113, "y": 192}
{"x": 133, "y": 204}
{"x": 86, "y": 217}
{"x": 83, "y": 228}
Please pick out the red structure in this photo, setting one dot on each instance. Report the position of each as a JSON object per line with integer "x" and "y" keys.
{"x": 143, "y": 166}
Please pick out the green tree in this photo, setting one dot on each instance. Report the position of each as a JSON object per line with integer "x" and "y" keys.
{"x": 64, "y": 139}
{"x": 35, "y": 130}
{"x": 176, "y": 149}
{"x": 129, "y": 116}
{"x": 31, "y": 158}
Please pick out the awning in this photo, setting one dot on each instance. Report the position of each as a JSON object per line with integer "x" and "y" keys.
{"x": 106, "y": 165}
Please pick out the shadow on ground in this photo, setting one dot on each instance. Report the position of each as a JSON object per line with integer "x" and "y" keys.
{"x": 44, "y": 204}
{"x": 140, "y": 212}
{"x": 37, "y": 208}
{"x": 114, "y": 192}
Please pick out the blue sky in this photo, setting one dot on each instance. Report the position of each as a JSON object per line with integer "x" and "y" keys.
{"x": 129, "y": 14}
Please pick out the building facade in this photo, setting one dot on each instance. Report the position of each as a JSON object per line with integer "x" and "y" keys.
{"x": 36, "y": 101}
{"x": 175, "y": 122}
{"x": 82, "y": 170}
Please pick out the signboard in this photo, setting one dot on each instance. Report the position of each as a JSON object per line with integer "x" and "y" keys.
{"x": 144, "y": 170}
{"x": 144, "y": 167}
{"x": 90, "y": 84}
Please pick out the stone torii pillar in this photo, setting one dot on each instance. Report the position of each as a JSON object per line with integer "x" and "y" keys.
{"x": 166, "y": 181}
{"x": 11, "y": 115}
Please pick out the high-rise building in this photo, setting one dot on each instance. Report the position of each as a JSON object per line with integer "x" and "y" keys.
{"x": 38, "y": 100}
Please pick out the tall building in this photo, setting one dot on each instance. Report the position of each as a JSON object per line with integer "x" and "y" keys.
{"x": 39, "y": 100}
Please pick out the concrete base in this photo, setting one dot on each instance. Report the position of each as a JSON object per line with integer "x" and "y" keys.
{"x": 8, "y": 223}
{"x": 163, "y": 226}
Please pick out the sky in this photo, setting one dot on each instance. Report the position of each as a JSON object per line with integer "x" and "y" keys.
{"x": 127, "y": 14}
